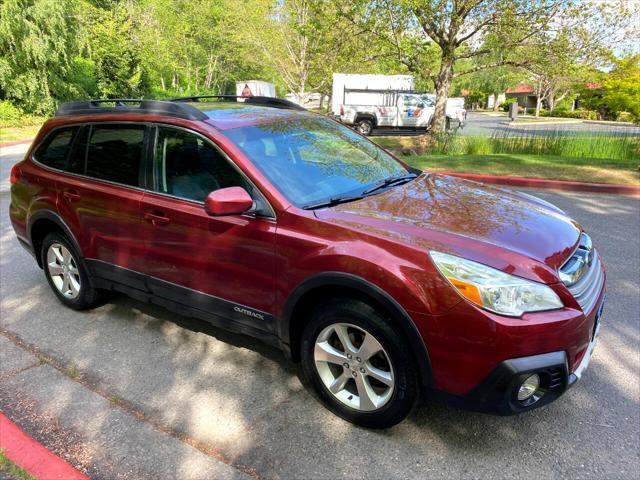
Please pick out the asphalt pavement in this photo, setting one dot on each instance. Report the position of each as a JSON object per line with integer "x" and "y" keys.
{"x": 130, "y": 390}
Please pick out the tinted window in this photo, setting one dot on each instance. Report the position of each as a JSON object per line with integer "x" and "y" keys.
{"x": 115, "y": 153}
{"x": 314, "y": 159}
{"x": 54, "y": 150}
{"x": 192, "y": 168}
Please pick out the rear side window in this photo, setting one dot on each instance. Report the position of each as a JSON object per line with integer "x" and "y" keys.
{"x": 53, "y": 152}
{"x": 115, "y": 153}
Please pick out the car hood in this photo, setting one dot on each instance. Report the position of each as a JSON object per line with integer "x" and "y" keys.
{"x": 478, "y": 221}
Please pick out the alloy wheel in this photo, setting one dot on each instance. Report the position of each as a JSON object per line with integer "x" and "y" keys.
{"x": 63, "y": 270}
{"x": 354, "y": 366}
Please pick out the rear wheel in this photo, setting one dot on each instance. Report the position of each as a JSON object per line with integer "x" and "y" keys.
{"x": 365, "y": 127}
{"x": 66, "y": 273}
{"x": 358, "y": 365}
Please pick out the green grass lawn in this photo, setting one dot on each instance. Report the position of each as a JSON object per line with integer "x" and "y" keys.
{"x": 11, "y": 469}
{"x": 533, "y": 166}
{"x": 10, "y": 134}
{"x": 603, "y": 159}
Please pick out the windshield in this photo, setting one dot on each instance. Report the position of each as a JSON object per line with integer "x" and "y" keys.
{"x": 311, "y": 160}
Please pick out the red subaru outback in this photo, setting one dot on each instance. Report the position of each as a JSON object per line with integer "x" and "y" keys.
{"x": 383, "y": 280}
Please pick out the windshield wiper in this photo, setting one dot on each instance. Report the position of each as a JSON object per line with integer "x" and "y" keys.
{"x": 387, "y": 182}
{"x": 332, "y": 201}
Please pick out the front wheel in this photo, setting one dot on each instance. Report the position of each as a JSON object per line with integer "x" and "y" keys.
{"x": 358, "y": 365}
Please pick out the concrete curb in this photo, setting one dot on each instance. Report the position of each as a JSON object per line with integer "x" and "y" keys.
{"x": 28, "y": 454}
{"x": 528, "y": 124}
{"x": 630, "y": 190}
{"x": 15, "y": 142}
{"x": 608, "y": 122}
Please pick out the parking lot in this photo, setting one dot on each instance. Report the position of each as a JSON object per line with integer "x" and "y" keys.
{"x": 130, "y": 390}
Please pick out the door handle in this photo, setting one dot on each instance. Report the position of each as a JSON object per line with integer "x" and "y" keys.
{"x": 156, "y": 218}
{"x": 71, "y": 195}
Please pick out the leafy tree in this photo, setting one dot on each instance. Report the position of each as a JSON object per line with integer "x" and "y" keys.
{"x": 200, "y": 46}
{"x": 622, "y": 87}
{"x": 490, "y": 33}
{"x": 37, "y": 46}
{"x": 117, "y": 66}
{"x": 306, "y": 41}
{"x": 492, "y": 81}
{"x": 578, "y": 43}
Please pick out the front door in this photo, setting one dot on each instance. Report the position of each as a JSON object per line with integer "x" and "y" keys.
{"x": 410, "y": 109}
{"x": 220, "y": 265}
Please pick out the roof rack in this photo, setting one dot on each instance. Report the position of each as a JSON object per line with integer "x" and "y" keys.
{"x": 254, "y": 100}
{"x": 131, "y": 105}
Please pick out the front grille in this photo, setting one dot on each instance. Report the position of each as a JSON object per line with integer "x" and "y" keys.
{"x": 582, "y": 274}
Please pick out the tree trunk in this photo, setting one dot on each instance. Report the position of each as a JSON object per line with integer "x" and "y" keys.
{"x": 495, "y": 102}
{"x": 551, "y": 101}
{"x": 442, "y": 84}
{"x": 538, "y": 105}
{"x": 162, "y": 82}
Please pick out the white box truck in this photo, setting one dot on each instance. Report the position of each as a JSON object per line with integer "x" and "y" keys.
{"x": 383, "y": 102}
{"x": 255, "y": 88}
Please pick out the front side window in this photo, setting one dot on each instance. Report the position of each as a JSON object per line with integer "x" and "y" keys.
{"x": 56, "y": 148}
{"x": 192, "y": 168}
{"x": 315, "y": 159}
{"x": 115, "y": 153}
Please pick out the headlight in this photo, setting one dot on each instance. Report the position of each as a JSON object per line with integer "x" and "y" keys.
{"x": 494, "y": 290}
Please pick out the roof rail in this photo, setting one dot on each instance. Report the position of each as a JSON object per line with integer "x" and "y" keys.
{"x": 130, "y": 105}
{"x": 254, "y": 100}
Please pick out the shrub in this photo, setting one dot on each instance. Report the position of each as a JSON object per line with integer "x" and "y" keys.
{"x": 9, "y": 113}
{"x": 625, "y": 117}
{"x": 505, "y": 105}
{"x": 580, "y": 114}
{"x": 12, "y": 116}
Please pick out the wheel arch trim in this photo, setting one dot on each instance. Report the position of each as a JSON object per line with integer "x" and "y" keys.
{"x": 341, "y": 279}
{"x": 366, "y": 116}
{"x": 55, "y": 218}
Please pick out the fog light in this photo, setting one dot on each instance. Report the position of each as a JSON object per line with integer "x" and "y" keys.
{"x": 529, "y": 387}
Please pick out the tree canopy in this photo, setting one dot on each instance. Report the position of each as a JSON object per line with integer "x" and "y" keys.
{"x": 52, "y": 51}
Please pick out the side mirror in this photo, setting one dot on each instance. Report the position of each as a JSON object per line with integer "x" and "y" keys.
{"x": 228, "y": 201}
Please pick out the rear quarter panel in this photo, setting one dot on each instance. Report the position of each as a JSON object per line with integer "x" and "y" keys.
{"x": 35, "y": 190}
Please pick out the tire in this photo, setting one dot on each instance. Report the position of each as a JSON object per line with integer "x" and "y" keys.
{"x": 72, "y": 285}
{"x": 385, "y": 404}
{"x": 365, "y": 127}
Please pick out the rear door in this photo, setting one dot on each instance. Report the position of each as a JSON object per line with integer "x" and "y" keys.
{"x": 222, "y": 265}
{"x": 100, "y": 196}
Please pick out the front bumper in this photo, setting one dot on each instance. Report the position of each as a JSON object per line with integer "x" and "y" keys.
{"x": 584, "y": 363}
{"x": 497, "y": 393}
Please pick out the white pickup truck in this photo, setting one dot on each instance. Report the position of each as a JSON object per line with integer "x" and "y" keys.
{"x": 389, "y": 110}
